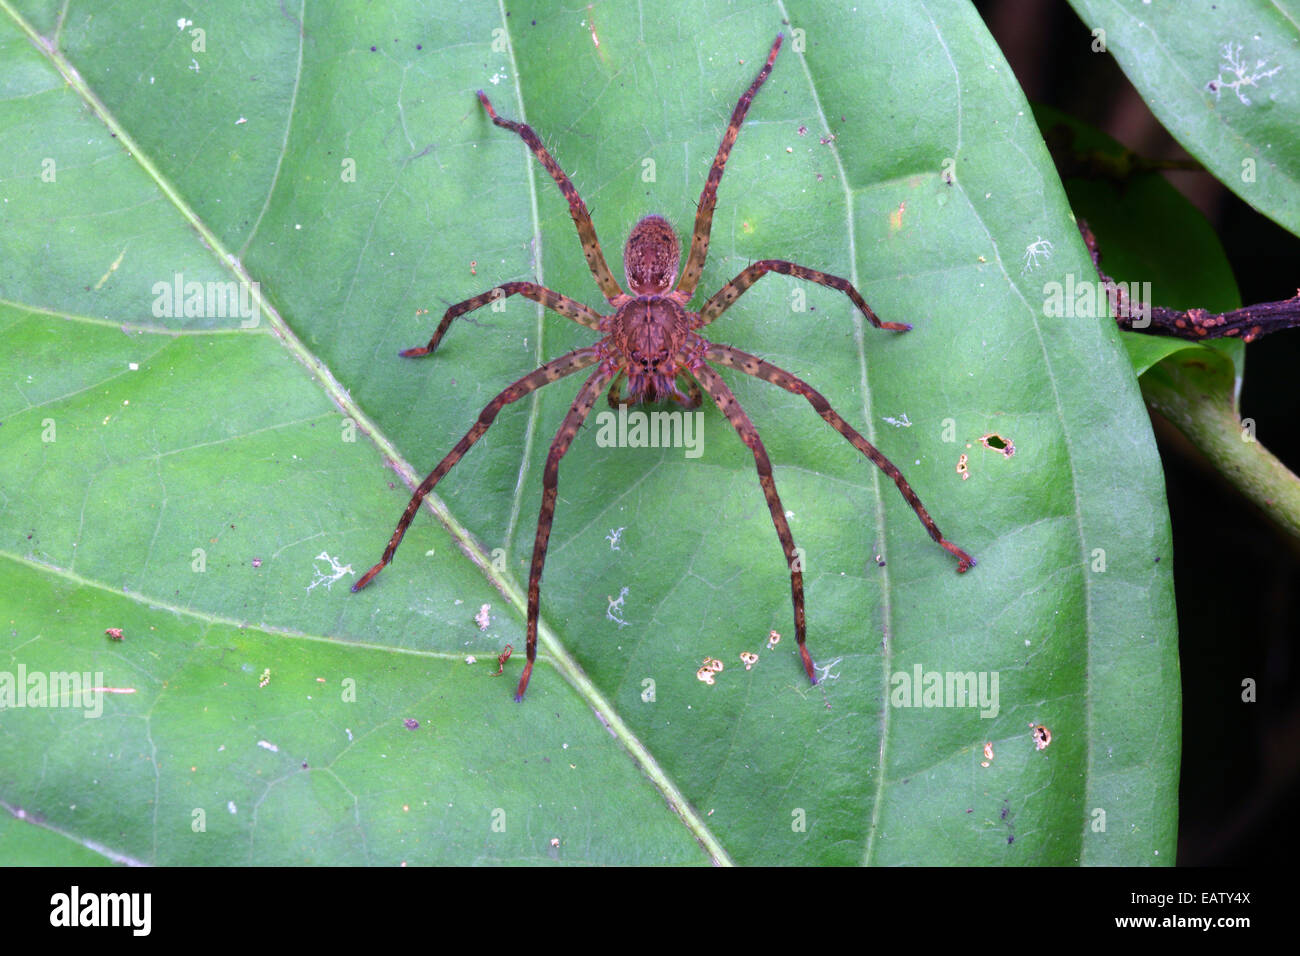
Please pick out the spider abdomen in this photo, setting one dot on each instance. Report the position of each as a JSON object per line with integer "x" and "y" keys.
{"x": 651, "y": 255}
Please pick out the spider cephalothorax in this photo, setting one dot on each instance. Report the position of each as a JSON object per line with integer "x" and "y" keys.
{"x": 649, "y": 341}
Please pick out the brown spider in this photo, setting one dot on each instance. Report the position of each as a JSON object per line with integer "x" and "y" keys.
{"x": 651, "y": 340}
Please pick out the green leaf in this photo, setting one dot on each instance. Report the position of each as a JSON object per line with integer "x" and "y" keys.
{"x": 195, "y": 482}
{"x": 1220, "y": 76}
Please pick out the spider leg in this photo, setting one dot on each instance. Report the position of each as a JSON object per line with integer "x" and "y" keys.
{"x": 550, "y": 372}
{"x": 732, "y": 291}
{"x": 577, "y": 208}
{"x": 709, "y": 197}
{"x": 694, "y": 398}
{"x": 755, "y": 366}
{"x": 722, "y": 395}
{"x": 550, "y": 478}
{"x": 552, "y": 300}
{"x": 616, "y": 396}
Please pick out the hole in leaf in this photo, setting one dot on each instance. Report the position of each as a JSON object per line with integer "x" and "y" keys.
{"x": 998, "y": 443}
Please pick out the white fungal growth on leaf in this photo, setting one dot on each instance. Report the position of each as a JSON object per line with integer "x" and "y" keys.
{"x": 1241, "y": 74}
{"x": 330, "y": 575}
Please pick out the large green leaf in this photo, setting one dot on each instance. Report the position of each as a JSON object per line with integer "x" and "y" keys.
{"x": 890, "y": 145}
{"x": 1221, "y": 76}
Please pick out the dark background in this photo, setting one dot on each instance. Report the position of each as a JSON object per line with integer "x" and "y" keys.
{"x": 1237, "y": 576}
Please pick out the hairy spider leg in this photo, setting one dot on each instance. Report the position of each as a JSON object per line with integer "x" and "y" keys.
{"x": 755, "y": 366}
{"x": 578, "y": 411}
{"x": 729, "y": 293}
{"x": 726, "y": 401}
{"x": 577, "y": 208}
{"x": 552, "y": 300}
{"x": 552, "y": 371}
{"x": 709, "y": 197}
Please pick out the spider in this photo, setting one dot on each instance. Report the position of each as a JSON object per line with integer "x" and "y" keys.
{"x": 649, "y": 342}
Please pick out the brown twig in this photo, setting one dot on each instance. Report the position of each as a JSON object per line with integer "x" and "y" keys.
{"x": 1248, "y": 322}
